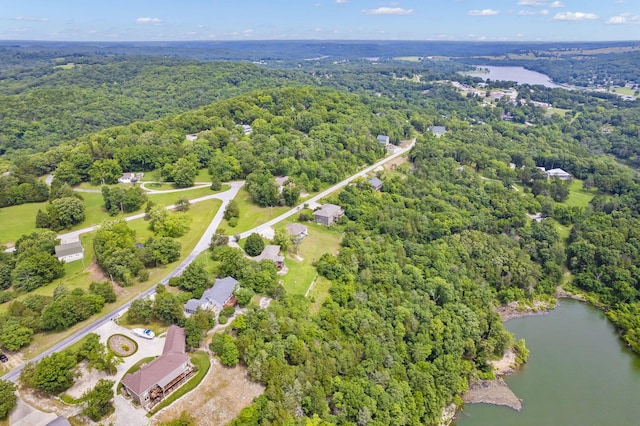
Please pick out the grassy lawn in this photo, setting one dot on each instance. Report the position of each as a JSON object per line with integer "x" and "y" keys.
{"x": 559, "y": 111}
{"x": 79, "y": 275}
{"x": 154, "y": 176}
{"x": 18, "y": 220}
{"x": 319, "y": 293}
{"x": 251, "y": 215}
{"x": 202, "y": 362}
{"x": 321, "y": 239}
{"x": 579, "y": 196}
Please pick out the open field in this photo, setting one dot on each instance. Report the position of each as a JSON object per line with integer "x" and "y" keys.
{"x": 321, "y": 239}
{"x": 18, "y": 220}
{"x": 318, "y": 294}
{"x": 561, "y": 112}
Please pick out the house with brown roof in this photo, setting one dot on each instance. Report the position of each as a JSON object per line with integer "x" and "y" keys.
{"x": 328, "y": 214}
{"x": 154, "y": 381}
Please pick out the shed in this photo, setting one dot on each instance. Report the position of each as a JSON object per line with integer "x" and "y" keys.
{"x": 383, "y": 140}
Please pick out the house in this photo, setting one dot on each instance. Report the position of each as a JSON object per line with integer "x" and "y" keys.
{"x": 272, "y": 253}
{"x": 130, "y": 177}
{"x": 558, "y": 173}
{"x": 383, "y": 140}
{"x": 376, "y": 183}
{"x": 328, "y": 214}
{"x": 216, "y": 297}
{"x": 192, "y": 137}
{"x": 70, "y": 251}
{"x": 154, "y": 381}
{"x": 297, "y": 231}
{"x": 438, "y": 131}
{"x": 280, "y": 181}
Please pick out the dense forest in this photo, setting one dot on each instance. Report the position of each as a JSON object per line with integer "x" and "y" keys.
{"x": 409, "y": 319}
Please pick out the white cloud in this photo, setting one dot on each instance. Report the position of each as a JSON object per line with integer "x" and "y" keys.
{"x": 483, "y": 12}
{"x": 533, "y": 3}
{"x": 575, "y": 16}
{"x": 556, "y": 4}
{"x": 341, "y": 1}
{"x": 624, "y": 18}
{"x": 388, "y": 11}
{"x": 30, "y": 19}
{"x": 532, "y": 13}
{"x": 155, "y": 21}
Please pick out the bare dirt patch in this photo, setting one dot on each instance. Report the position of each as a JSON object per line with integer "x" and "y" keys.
{"x": 86, "y": 381}
{"x": 506, "y": 365}
{"x": 219, "y": 398}
{"x": 95, "y": 272}
{"x": 391, "y": 165}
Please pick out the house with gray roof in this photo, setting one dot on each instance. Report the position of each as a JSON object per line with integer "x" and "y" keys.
{"x": 383, "y": 140}
{"x": 154, "y": 381}
{"x": 438, "y": 131}
{"x": 376, "y": 183}
{"x": 70, "y": 251}
{"x": 297, "y": 231}
{"x": 216, "y": 297}
{"x": 328, "y": 214}
{"x": 558, "y": 173}
{"x": 271, "y": 252}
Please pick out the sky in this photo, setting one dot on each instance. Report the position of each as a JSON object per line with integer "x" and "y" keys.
{"x": 178, "y": 20}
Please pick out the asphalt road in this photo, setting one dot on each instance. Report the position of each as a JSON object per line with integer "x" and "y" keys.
{"x": 397, "y": 153}
{"x": 202, "y": 245}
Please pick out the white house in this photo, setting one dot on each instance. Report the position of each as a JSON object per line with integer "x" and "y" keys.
{"x": 558, "y": 173}
{"x": 70, "y": 251}
{"x": 130, "y": 177}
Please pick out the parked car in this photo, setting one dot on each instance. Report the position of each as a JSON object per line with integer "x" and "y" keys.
{"x": 3, "y": 358}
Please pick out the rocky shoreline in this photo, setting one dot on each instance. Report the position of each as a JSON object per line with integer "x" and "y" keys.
{"x": 494, "y": 392}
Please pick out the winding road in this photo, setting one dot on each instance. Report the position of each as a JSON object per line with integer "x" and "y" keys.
{"x": 202, "y": 245}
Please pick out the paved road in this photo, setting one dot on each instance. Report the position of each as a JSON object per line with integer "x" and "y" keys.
{"x": 201, "y": 246}
{"x": 397, "y": 153}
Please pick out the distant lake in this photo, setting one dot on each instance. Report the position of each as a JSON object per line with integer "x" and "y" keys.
{"x": 579, "y": 373}
{"x": 517, "y": 74}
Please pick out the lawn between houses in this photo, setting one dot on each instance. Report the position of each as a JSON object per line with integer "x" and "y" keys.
{"x": 78, "y": 275}
{"x": 21, "y": 220}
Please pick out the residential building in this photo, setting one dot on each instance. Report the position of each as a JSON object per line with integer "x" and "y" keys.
{"x": 328, "y": 214}
{"x": 376, "y": 183}
{"x": 438, "y": 131}
{"x": 297, "y": 231}
{"x": 154, "y": 381}
{"x": 216, "y": 297}
{"x": 192, "y": 137}
{"x": 271, "y": 252}
{"x": 558, "y": 173}
{"x": 70, "y": 251}
{"x": 383, "y": 140}
{"x": 130, "y": 177}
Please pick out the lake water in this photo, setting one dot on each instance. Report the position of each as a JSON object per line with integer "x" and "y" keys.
{"x": 579, "y": 373}
{"x": 518, "y": 74}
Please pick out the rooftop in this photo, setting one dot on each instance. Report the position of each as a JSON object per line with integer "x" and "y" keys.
{"x": 69, "y": 249}
{"x": 328, "y": 210}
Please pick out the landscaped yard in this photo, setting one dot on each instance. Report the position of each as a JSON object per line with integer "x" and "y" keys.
{"x": 80, "y": 274}
{"x": 20, "y": 220}
{"x": 321, "y": 239}
{"x": 251, "y": 215}
{"x": 578, "y": 196}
